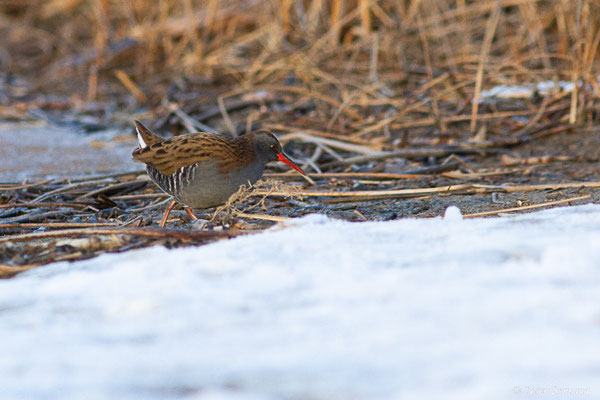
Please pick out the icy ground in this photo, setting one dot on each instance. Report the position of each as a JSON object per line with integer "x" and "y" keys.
{"x": 497, "y": 308}
{"x": 34, "y": 151}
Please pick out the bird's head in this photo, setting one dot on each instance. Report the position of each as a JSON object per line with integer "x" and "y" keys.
{"x": 269, "y": 149}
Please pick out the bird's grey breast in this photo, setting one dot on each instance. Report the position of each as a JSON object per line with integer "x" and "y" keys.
{"x": 204, "y": 184}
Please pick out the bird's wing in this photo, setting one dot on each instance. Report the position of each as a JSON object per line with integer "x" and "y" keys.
{"x": 170, "y": 155}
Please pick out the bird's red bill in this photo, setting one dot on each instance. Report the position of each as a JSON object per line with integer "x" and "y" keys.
{"x": 281, "y": 157}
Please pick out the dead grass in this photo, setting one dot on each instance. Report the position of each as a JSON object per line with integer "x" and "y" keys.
{"x": 360, "y": 61}
{"x": 248, "y": 199}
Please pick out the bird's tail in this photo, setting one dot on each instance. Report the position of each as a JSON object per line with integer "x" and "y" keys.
{"x": 145, "y": 136}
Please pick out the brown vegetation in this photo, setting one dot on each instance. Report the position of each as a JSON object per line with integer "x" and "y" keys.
{"x": 373, "y": 68}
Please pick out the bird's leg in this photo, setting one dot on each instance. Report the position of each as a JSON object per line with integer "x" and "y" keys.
{"x": 190, "y": 213}
{"x": 167, "y": 212}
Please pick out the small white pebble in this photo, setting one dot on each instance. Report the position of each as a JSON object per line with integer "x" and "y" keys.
{"x": 453, "y": 213}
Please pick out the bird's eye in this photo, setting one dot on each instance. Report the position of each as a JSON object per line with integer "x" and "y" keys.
{"x": 272, "y": 147}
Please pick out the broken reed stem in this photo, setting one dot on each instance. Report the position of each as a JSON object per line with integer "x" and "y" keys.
{"x": 68, "y": 187}
{"x": 8, "y": 271}
{"x": 300, "y": 91}
{"x": 264, "y": 217}
{"x": 114, "y": 186}
{"x": 140, "y": 196}
{"x": 54, "y": 225}
{"x": 329, "y": 135}
{"x": 226, "y": 118}
{"x": 463, "y": 188}
{"x": 244, "y": 193}
{"x": 530, "y": 207}
{"x": 25, "y": 186}
{"x": 337, "y": 144}
{"x": 355, "y": 175}
{"x": 130, "y": 85}
{"x": 155, "y": 233}
{"x": 429, "y": 121}
{"x": 40, "y": 205}
{"x": 409, "y": 153}
{"x": 372, "y": 193}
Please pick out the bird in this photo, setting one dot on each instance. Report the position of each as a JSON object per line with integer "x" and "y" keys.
{"x": 203, "y": 169}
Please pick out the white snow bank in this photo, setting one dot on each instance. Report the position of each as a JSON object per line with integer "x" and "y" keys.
{"x": 495, "y": 308}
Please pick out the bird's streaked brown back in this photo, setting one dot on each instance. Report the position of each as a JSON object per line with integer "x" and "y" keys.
{"x": 169, "y": 155}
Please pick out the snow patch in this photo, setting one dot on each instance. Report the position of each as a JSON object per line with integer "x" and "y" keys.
{"x": 453, "y": 213}
{"x": 322, "y": 309}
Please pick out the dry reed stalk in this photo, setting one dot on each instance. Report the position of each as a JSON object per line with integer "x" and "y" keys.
{"x": 466, "y": 188}
{"x": 8, "y": 271}
{"x": 225, "y": 115}
{"x": 110, "y": 187}
{"x": 480, "y": 117}
{"x": 234, "y": 205}
{"x": 54, "y": 225}
{"x": 351, "y": 175}
{"x": 523, "y": 208}
{"x": 471, "y": 11}
{"x": 130, "y": 85}
{"x": 330, "y": 135}
{"x": 191, "y": 124}
{"x": 409, "y": 153}
{"x": 334, "y": 18}
{"x": 533, "y": 188}
{"x": 427, "y": 55}
{"x": 413, "y": 107}
{"x": 155, "y": 233}
{"x": 576, "y": 71}
{"x": 263, "y": 217}
{"x": 337, "y": 144}
{"x": 140, "y": 196}
{"x": 25, "y": 186}
{"x": 284, "y": 15}
{"x": 370, "y": 193}
{"x": 476, "y": 175}
{"x": 92, "y": 84}
{"x": 490, "y": 31}
{"x": 297, "y": 90}
{"x": 40, "y": 205}
{"x": 54, "y": 7}
{"x": 365, "y": 15}
{"x": 67, "y": 188}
